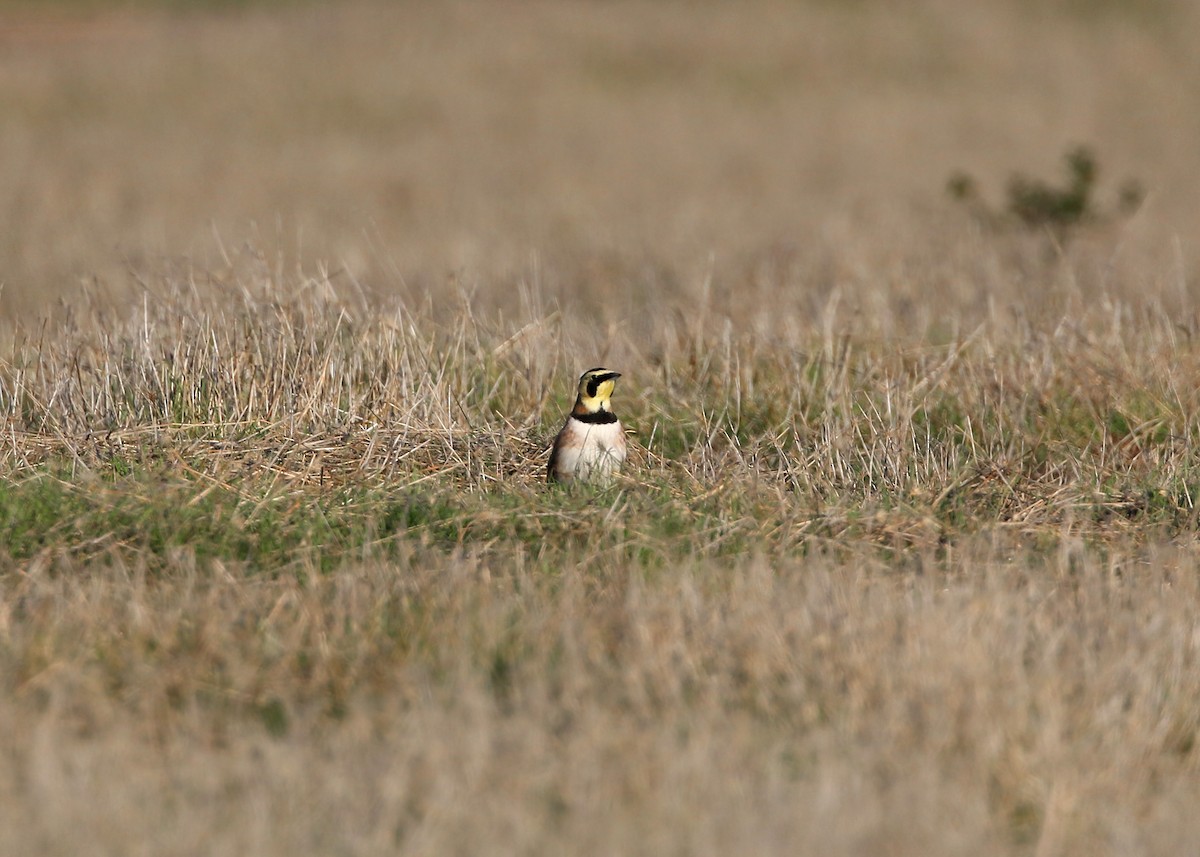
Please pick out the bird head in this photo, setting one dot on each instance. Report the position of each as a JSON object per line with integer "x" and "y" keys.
{"x": 595, "y": 388}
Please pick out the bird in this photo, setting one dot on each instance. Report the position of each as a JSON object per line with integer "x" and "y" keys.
{"x": 591, "y": 445}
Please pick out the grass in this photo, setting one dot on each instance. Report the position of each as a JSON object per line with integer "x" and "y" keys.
{"x": 298, "y": 429}
{"x": 904, "y": 559}
{"x": 315, "y": 532}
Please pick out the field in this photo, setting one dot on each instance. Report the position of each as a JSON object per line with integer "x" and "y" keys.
{"x": 293, "y": 297}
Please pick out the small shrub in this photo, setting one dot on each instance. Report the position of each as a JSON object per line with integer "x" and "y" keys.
{"x": 1035, "y": 204}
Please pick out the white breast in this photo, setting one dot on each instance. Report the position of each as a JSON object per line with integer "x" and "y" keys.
{"x": 589, "y": 451}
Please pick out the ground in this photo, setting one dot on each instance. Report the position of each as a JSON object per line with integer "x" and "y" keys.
{"x": 295, "y": 296}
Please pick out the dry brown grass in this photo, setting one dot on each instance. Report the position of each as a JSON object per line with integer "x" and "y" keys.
{"x": 612, "y": 143}
{"x": 905, "y": 562}
{"x": 426, "y": 706}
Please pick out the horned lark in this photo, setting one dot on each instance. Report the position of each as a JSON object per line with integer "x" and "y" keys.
{"x": 591, "y": 445}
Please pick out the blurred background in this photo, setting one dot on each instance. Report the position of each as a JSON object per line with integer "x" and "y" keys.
{"x": 588, "y": 153}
